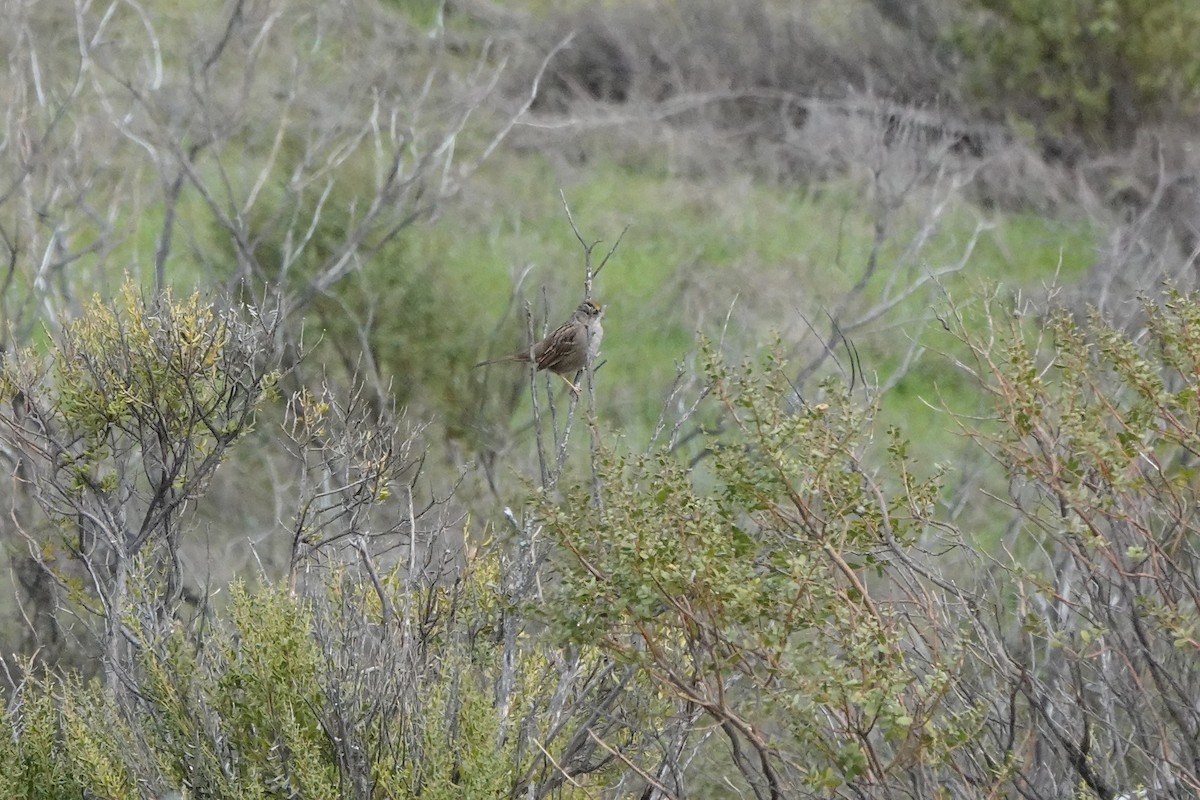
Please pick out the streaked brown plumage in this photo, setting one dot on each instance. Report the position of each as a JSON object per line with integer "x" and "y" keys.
{"x": 569, "y": 347}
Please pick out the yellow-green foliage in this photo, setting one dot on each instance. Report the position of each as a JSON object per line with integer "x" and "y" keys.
{"x": 135, "y": 374}
{"x": 761, "y": 580}
{"x": 131, "y": 358}
{"x": 98, "y": 743}
{"x": 246, "y": 708}
{"x": 269, "y": 694}
{"x": 258, "y": 704}
{"x": 239, "y": 718}
{"x": 459, "y": 735}
{"x": 8, "y": 758}
{"x": 1081, "y": 60}
{"x": 33, "y": 766}
{"x": 121, "y": 424}
{"x": 461, "y": 742}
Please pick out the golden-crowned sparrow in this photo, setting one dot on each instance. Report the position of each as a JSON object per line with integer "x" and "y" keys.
{"x": 569, "y": 347}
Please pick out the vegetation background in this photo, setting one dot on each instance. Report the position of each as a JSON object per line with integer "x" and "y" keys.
{"x": 884, "y": 484}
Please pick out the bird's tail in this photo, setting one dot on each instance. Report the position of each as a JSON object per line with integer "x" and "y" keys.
{"x": 501, "y": 360}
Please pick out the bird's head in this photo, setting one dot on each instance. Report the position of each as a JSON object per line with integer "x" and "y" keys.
{"x": 590, "y": 309}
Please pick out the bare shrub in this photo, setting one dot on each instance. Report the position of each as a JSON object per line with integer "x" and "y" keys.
{"x": 748, "y": 76}
{"x": 1148, "y": 199}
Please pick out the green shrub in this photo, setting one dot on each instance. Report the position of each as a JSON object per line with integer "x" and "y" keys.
{"x": 745, "y": 589}
{"x": 32, "y": 764}
{"x": 1090, "y": 68}
{"x": 286, "y": 696}
{"x": 119, "y": 429}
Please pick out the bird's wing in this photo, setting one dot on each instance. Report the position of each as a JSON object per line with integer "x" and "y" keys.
{"x": 553, "y": 346}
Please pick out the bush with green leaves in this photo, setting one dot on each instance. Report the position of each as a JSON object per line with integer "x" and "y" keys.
{"x": 350, "y": 687}
{"x": 1093, "y": 591}
{"x": 820, "y": 627}
{"x": 115, "y": 432}
{"x": 1094, "y": 69}
{"x": 401, "y": 678}
{"x": 756, "y": 593}
{"x": 791, "y": 613}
